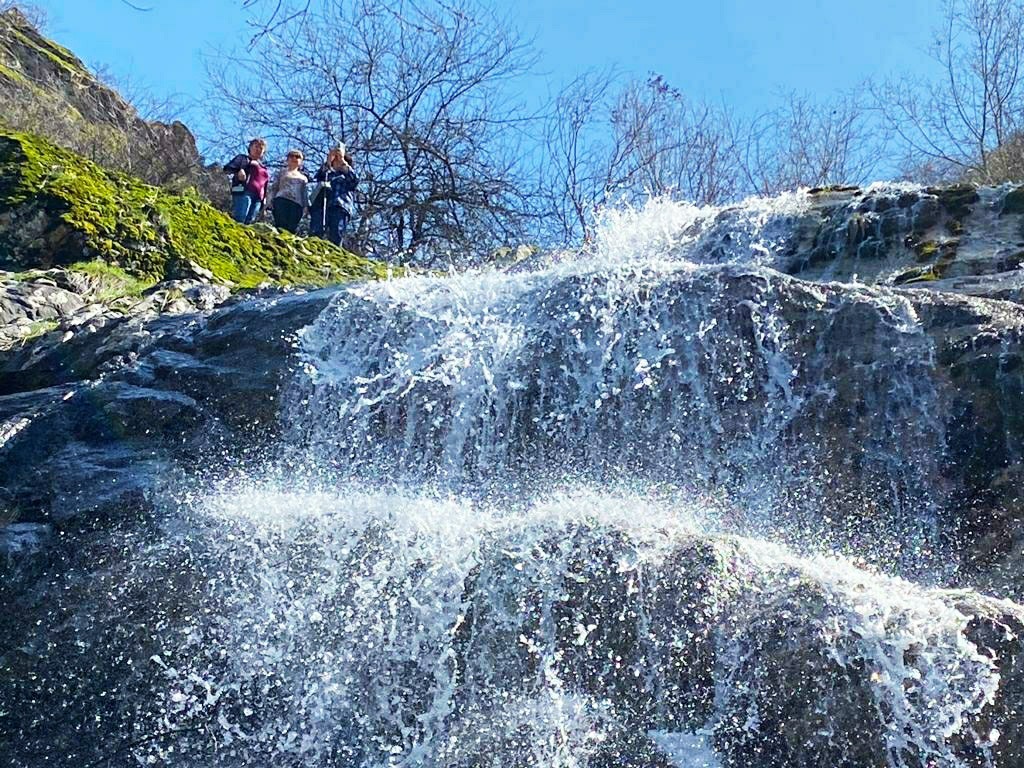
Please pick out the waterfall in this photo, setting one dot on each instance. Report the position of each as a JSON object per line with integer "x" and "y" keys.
{"x": 362, "y": 627}
{"x": 659, "y": 503}
{"x": 616, "y": 509}
{"x": 797, "y": 405}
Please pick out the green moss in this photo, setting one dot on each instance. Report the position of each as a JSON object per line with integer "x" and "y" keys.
{"x": 93, "y": 214}
{"x": 941, "y": 254}
{"x": 57, "y": 54}
{"x": 13, "y": 75}
{"x": 917, "y": 276}
{"x": 110, "y": 282}
{"x": 20, "y": 277}
{"x": 956, "y": 199}
{"x": 39, "y": 328}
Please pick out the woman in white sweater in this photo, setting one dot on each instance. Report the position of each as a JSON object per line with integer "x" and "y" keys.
{"x": 288, "y": 193}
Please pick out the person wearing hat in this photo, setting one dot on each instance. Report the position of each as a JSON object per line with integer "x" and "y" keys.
{"x": 288, "y": 193}
{"x": 335, "y": 197}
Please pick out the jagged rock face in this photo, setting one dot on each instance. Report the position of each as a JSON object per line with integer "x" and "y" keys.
{"x": 353, "y": 628}
{"x": 37, "y": 71}
{"x": 203, "y": 508}
{"x": 92, "y": 420}
{"x": 962, "y": 238}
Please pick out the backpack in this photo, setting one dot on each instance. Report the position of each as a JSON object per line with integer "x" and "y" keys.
{"x": 238, "y": 163}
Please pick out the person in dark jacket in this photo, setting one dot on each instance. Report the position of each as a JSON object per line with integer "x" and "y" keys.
{"x": 335, "y": 199}
{"x": 249, "y": 180}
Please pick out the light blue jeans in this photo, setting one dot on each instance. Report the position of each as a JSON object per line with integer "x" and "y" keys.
{"x": 245, "y": 208}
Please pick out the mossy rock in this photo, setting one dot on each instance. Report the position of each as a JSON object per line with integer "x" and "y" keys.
{"x": 57, "y": 208}
{"x": 1013, "y": 202}
{"x": 833, "y": 189}
{"x": 956, "y": 199}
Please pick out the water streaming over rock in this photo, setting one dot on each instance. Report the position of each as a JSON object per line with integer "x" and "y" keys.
{"x": 616, "y": 627}
{"x": 652, "y": 505}
{"x": 802, "y": 406}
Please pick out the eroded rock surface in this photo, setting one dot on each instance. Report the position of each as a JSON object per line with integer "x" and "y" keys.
{"x": 308, "y": 612}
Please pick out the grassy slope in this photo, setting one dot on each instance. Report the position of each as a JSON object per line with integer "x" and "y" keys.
{"x": 89, "y": 213}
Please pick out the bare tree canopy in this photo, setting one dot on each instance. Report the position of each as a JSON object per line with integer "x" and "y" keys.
{"x": 423, "y": 91}
{"x": 623, "y": 142}
{"x": 808, "y": 143}
{"x": 416, "y": 92}
{"x": 964, "y": 122}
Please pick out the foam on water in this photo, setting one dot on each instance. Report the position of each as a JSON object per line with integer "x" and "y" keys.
{"x": 365, "y": 628}
{"x": 583, "y": 515}
{"x": 722, "y": 379}
{"x": 550, "y": 626}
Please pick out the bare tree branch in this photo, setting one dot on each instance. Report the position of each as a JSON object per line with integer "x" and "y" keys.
{"x": 966, "y": 122}
{"x": 416, "y": 90}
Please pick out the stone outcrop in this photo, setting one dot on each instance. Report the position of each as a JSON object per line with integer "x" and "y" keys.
{"x": 509, "y": 646}
{"x": 57, "y": 208}
{"x": 961, "y": 238}
{"x": 47, "y": 89}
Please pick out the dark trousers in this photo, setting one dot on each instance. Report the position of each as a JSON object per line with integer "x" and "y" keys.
{"x": 337, "y": 223}
{"x": 287, "y": 214}
{"x": 318, "y": 217}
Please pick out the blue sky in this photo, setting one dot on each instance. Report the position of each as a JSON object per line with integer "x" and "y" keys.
{"x": 741, "y": 51}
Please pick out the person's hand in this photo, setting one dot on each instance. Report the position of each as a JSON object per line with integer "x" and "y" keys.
{"x": 240, "y": 176}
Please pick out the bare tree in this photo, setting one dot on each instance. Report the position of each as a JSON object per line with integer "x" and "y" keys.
{"x": 577, "y": 161}
{"x": 417, "y": 92}
{"x": 950, "y": 126}
{"x": 608, "y": 141}
{"x": 677, "y": 146}
{"x": 808, "y": 143}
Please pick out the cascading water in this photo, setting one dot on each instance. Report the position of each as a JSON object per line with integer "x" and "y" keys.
{"x": 367, "y": 628}
{"x": 622, "y": 509}
{"x": 639, "y": 368}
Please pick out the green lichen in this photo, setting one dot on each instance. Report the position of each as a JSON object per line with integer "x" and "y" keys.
{"x": 87, "y": 213}
{"x": 937, "y": 254}
{"x": 944, "y": 254}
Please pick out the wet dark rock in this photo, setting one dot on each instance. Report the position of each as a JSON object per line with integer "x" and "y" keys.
{"x": 780, "y": 664}
{"x": 1013, "y": 203}
{"x": 97, "y": 420}
{"x": 102, "y": 414}
{"x": 956, "y": 199}
{"x": 36, "y": 300}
